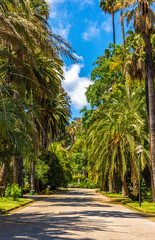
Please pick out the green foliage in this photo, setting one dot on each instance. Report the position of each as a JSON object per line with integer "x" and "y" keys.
{"x": 106, "y": 72}
{"x": 146, "y": 192}
{"x": 14, "y": 191}
{"x": 53, "y": 167}
{"x": 79, "y": 181}
{"x": 34, "y": 108}
{"x": 8, "y": 191}
{"x": 8, "y": 203}
{"x": 78, "y": 157}
{"x": 86, "y": 117}
{"x": 41, "y": 170}
{"x": 119, "y": 126}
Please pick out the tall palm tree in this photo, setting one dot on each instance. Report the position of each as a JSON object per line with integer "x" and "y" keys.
{"x": 31, "y": 65}
{"x": 116, "y": 131}
{"x": 17, "y": 133}
{"x": 108, "y": 7}
{"x": 140, "y": 11}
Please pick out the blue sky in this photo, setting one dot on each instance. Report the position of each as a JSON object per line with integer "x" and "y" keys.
{"x": 89, "y": 31}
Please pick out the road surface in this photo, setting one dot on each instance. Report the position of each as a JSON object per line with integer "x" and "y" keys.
{"x": 75, "y": 214}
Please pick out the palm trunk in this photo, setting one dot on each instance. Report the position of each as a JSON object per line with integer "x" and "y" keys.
{"x": 123, "y": 36}
{"x": 110, "y": 184}
{"x": 113, "y": 24}
{"x": 146, "y": 93}
{"x": 126, "y": 189}
{"x": 122, "y": 27}
{"x": 15, "y": 169}
{"x": 3, "y": 173}
{"x": 9, "y": 66}
{"x": 20, "y": 176}
{"x": 3, "y": 105}
{"x": 33, "y": 176}
{"x": 123, "y": 191}
{"x": 134, "y": 178}
{"x": 113, "y": 184}
{"x": 151, "y": 98}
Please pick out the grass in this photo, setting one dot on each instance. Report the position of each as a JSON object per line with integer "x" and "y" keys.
{"x": 8, "y": 203}
{"x": 113, "y": 195}
{"x": 146, "y": 206}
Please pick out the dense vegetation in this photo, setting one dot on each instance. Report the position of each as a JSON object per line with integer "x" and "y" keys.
{"x": 34, "y": 108}
{"x": 38, "y": 145}
{"x": 122, "y": 104}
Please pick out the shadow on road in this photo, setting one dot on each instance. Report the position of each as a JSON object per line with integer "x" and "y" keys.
{"x": 63, "y": 224}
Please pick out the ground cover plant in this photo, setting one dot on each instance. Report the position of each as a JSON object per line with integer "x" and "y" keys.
{"x": 9, "y": 203}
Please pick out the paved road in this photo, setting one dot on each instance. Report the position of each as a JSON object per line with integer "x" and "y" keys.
{"x": 76, "y": 214}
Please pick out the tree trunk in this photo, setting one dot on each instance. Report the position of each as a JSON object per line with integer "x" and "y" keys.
{"x": 113, "y": 24}
{"x": 151, "y": 97}
{"x": 33, "y": 176}
{"x": 147, "y": 96}
{"x": 37, "y": 186}
{"x": 122, "y": 27}
{"x": 3, "y": 173}
{"x": 134, "y": 178}
{"x": 20, "y": 176}
{"x": 15, "y": 169}
{"x": 113, "y": 184}
{"x": 126, "y": 189}
{"x": 123, "y": 191}
{"x": 110, "y": 184}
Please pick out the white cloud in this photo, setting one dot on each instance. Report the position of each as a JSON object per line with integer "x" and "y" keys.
{"x": 76, "y": 85}
{"x": 107, "y": 25}
{"x": 94, "y": 29}
{"x": 78, "y": 57}
{"x": 62, "y": 31}
{"x": 91, "y": 32}
{"x": 53, "y": 14}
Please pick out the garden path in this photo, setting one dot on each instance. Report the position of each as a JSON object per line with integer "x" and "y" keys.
{"x": 75, "y": 214}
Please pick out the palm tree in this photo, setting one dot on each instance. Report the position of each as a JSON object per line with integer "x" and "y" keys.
{"x": 116, "y": 131}
{"x": 17, "y": 134}
{"x": 71, "y": 129}
{"x": 140, "y": 11}
{"x": 31, "y": 65}
{"x": 108, "y": 7}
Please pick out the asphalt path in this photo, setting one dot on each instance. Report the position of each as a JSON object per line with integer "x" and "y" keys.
{"x": 75, "y": 214}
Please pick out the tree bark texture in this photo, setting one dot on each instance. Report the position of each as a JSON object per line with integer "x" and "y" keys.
{"x": 123, "y": 191}
{"x": 122, "y": 27}
{"x": 110, "y": 184}
{"x": 15, "y": 169}
{"x": 20, "y": 176}
{"x": 33, "y": 176}
{"x": 113, "y": 24}
{"x": 151, "y": 99}
{"x": 127, "y": 190}
{"x": 134, "y": 178}
{"x": 3, "y": 173}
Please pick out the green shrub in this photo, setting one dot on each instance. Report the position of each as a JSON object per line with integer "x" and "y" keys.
{"x": 84, "y": 182}
{"x": 15, "y": 192}
{"x": 8, "y": 191}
